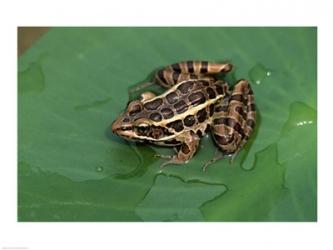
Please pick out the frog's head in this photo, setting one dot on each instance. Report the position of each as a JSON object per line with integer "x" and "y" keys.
{"x": 132, "y": 125}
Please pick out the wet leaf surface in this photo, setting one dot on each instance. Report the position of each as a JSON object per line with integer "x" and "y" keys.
{"x": 74, "y": 82}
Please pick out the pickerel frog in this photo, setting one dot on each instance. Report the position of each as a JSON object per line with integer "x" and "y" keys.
{"x": 195, "y": 102}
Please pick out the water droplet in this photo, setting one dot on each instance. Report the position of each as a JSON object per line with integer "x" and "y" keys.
{"x": 300, "y": 115}
{"x": 259, "y": 73}
{"x": 81, "y": 56}
{"x": 301, "y": 123}
{"x": 99, "y": 169}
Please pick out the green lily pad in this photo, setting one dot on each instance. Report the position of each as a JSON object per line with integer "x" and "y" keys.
{"x": 74, "y": 82}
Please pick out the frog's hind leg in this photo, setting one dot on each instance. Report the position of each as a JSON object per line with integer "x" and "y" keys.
{"x": 167, "y": 78}
{"x": 187, "y": 70}
{"x": 201, "y": 67}
{"x": 242, "y": 107}
{"x": 187, "y": 149}
{"x": 233, "y": 124}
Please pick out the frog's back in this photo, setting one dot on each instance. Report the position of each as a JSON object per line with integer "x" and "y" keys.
{"x": 183, "y": 100}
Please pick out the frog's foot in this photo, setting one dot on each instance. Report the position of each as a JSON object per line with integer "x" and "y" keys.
{"x": 232, "y": 157}
{"x": 163, "y": 156}
{"x": 218, "y": 155}
{"x": 186, "y": 151}
{"x": 166, "y": 156}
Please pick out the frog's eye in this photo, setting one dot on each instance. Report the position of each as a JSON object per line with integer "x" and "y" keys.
{"x": 143, "y": 128}
{"x": 134, "y": 107}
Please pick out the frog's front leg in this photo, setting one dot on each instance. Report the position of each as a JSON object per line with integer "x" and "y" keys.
{"x": 190, "y": 142}
{"x": 233, "y": 124}
{"x": 145, "y": 96}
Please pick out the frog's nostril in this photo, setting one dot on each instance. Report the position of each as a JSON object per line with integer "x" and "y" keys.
{"x": 118, "y": 127}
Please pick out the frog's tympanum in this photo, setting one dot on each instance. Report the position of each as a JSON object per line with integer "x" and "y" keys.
{"x": 194, "y": 103}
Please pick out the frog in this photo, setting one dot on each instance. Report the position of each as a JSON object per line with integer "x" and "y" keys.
{"x": 195, "y": 102}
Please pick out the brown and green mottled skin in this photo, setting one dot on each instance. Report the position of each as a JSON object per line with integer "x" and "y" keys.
{"x": 195, "y": 102}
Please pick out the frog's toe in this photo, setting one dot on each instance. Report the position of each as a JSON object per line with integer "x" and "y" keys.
{"x": 163, "y": 156}
{"x": 165, "y": 164}
{"x": 174, "y": 161}
{"x": 217, "y": 156}
{"x": 232, "y": 157}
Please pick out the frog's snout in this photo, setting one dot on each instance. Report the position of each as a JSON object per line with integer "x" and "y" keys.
{"x": 116, "y": 126}
{"x": 121, "y": 127}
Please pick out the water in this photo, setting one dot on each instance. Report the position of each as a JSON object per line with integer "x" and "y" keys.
{"x": 145, "y": 158}
{"x": 99, "y": 169}
{"x": 110, "y": 178}
{"x": 299, "y": 131}
{"x": 259, "y": 73}
{"x": 300, "y": 115}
